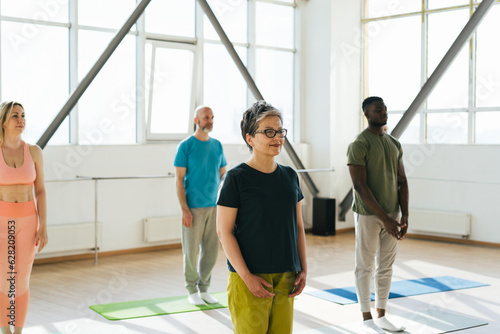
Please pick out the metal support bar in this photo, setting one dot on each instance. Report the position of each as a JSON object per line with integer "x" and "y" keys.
{"x": 253, "y": 87}
{"x": 85, "y": 83}
{"x": 345, "y": 205}
{"x": 429, "y": 85}
{"x": 313, "y": 170}
{"x": 96, "y": 219}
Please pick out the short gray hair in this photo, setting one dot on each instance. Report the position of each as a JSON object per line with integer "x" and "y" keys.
{"x": 252, "y": 117}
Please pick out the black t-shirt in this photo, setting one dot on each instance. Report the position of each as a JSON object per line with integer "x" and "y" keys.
{"x": 266, "y": 222}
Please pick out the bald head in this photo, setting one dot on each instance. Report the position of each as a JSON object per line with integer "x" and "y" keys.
{"x": 201, "y": 109}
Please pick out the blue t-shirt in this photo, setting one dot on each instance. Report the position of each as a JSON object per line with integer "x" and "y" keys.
{"x": 266, "y": 222}
{"x": 203, "y": 161}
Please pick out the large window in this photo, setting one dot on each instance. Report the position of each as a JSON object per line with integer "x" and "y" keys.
{"x": 171, "y": 61}
{"x": 262, "y": 33}
{"x": 403, "y": 46}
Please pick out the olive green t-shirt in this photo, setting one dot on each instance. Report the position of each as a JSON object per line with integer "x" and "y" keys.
{"x": 381, "y": 155}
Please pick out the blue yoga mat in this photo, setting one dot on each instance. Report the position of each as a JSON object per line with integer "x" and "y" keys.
{"x": 413, "y": 287}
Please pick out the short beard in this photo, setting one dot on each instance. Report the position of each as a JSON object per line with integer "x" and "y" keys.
{"x": 206, "y": 129}
{"x": 378, "y": 124}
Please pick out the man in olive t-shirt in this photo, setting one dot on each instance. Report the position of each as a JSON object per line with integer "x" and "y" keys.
{"x": 381, "y": 191}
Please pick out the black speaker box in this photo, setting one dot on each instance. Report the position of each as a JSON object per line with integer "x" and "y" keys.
{"x": 323, "y": 216}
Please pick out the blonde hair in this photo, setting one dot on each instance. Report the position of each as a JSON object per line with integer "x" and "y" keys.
{"x": 5, "y": 114}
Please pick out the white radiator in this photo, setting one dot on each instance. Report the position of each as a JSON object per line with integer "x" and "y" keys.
{"x": 158, "y": 229}
{"x": 439, "y": 222}
{"x": 73, "y": 237}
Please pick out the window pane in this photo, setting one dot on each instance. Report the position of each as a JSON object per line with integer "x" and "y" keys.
{"x": 171, "y": 17}
{"x": 225, "y": 91}
{"x": 51, "y": 11}
{"x": 274, "y": 77}
{"x": 274, "y": 25}
{"x": 443, "y": 30}
{"x": 447, "y": 128}
{"x": 488, "y": 71}
{"x": 394, "y": 67}
{"x": 148, "y": 52}
{"x": 172, "y": 89}
{"x": 35, "y": 73}
{"x": 412, "y": 133}
{"x": 452, "y": 89}
{"x": 104, "y": 13}
{"x": 380, "y": 8}
{"x": 107, "y": 108}
{"x": 433, "y": 4}
{"x": 232, "y": 16}
{"x": 488, "y": 127}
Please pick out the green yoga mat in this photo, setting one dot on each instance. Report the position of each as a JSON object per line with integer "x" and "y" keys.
{"x": 152, "y": 307}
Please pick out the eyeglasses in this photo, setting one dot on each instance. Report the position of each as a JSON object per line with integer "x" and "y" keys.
{"x": 271, "y": 133}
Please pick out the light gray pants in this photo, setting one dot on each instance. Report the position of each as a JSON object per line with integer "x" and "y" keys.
{"x": 200, "y": 239}
{"x": 373, "y": 245}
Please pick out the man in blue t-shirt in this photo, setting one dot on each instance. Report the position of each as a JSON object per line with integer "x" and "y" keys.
{"x": 199, "y": 166}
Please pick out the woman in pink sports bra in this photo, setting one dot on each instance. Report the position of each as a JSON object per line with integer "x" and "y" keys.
{"x": 23, "y": 216}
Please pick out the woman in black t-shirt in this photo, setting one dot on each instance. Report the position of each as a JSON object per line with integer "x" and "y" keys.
{"x": 260, "y": 226}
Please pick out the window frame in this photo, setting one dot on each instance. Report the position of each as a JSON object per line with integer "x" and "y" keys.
{"x": 192, "y": 104}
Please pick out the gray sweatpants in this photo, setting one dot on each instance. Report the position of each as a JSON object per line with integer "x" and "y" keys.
{"x": 201, "y": 239}
{"x": 373, "y": 246}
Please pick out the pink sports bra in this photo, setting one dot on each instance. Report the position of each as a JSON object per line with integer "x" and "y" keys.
{"x": 24, "y": 175}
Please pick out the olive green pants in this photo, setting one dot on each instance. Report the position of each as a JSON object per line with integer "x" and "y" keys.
{"x": 254, "y": 315}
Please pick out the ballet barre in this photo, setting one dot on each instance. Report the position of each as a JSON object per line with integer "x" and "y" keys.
{"x": 315, "y": 170}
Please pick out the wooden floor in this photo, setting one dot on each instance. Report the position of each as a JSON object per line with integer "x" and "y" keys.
{"x": 62, "y": 292}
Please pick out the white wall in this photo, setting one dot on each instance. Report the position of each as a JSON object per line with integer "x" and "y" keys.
{"x": 315, "y": 76}
{"x": 122, "y": 204}
{"x": 457, "y": 178}
{"x": 331, "y": 94}
{"x": 346, "y": 94}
